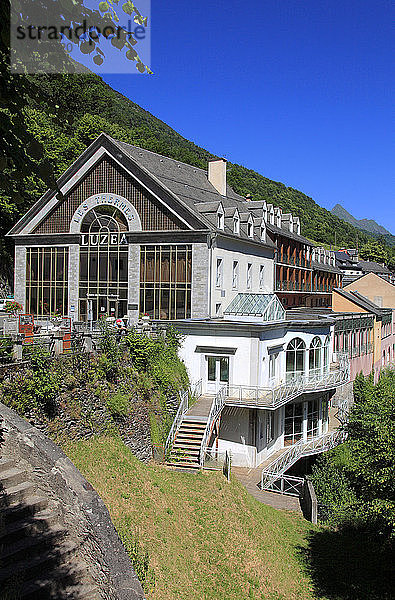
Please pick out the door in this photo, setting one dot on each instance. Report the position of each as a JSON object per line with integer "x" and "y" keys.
{"x": 217, "y": 373}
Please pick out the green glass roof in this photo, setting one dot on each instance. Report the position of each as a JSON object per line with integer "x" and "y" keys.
{"x": 266, "y": 306}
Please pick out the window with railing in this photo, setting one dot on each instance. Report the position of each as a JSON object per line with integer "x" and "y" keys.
{"x": 295, "y": 356}
{"x": 315, "y": 355}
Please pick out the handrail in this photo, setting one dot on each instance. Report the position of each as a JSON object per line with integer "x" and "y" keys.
{"x": 284, "y": 392}
{"x": 193, "y": 391}
{"x": 216, "y": 407}
{"x": 302, "y": 448}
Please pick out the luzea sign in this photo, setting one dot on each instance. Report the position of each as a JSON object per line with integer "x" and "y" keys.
{"x": 103, "y": 239}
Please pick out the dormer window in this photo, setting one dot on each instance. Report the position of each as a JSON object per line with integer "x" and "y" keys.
{"x": 236, "y": 223}
{"x": 271, "y": 216}
{"x": 263, "y": 232}
{"x": 250, "y": 228}
{"x": 220, "y": 218}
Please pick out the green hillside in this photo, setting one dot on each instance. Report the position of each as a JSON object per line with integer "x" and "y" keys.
{"x": 206, "y": 539}
{"x": 66, "y": 112}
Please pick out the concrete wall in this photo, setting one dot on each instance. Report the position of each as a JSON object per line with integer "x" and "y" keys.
{"x": 200, "y": 281}
{"x": 20, "y": 275}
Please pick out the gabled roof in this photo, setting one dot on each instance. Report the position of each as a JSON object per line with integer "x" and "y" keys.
{"x": 366, "y": 266}
{"x": 362, "y": 302}
{"x": 186, "y": 186}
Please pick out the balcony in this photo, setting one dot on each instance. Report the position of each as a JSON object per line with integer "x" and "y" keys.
{"x": 296, "y": 384}
{"x": 294, "y": 262}
{"x": 295, "y": 286}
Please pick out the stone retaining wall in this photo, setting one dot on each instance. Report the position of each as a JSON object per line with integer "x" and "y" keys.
{"x": 79, "y": 506}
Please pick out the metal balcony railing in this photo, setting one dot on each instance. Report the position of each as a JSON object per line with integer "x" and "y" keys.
{"x": 297, "y": 384}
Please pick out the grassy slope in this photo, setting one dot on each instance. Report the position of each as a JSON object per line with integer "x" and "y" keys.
{"x": 207, "y": 539}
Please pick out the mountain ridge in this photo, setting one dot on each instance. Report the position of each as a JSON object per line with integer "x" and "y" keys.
{"x": 368, "y": 225}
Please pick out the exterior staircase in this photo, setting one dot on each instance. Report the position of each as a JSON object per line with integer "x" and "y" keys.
{"x": 38, "y": 557}
{"x": 185, "y": 452}
{"x": 185, "y": 449}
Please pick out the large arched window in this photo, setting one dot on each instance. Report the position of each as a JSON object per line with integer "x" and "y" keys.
{"x": 104, "y": 218}
{"x": 103, "y": 286}
{"x": 315, "y": 355}
{"x": 295, "y": 357}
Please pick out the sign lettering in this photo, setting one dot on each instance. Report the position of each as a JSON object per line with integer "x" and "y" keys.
{"x": 103, "y": 239}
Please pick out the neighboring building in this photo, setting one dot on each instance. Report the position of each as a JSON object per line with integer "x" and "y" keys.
{"x": 352, "y": 267}
{"x": 135, "y": 232}
{"x": 374, "y": 330}
{"x": 375, "y": 288}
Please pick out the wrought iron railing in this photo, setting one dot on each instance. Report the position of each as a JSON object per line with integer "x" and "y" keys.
{"x": 193, "y": 392}
{"x": 299, "y": 383}
{"x": 215, "y": 410}
{"x": 282, "y": 463}
{"x": 287, "y": 485}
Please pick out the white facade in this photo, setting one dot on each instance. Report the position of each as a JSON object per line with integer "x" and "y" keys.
{"x": 255, "y": 356}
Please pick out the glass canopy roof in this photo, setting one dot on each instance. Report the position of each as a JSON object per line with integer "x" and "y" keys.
{"x": 265, "y": 306}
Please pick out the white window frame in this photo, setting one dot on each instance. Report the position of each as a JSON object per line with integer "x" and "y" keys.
{"x": 236, "y": 224}
{"x": 261, "y": 277}
{"x": 219, "y": 272}
{"x": 235, "y": 274}
{"x": 250, "y": 228}
{"x": 249, "y": 276}
{"x": 220, "y": 218}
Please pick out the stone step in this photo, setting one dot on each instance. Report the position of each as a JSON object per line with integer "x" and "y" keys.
{"x": 6, "y": 464}
{"x": 22, "y": 510}
{"x": 17, "y": 493}
{"x": 60, "y": 586}
{"x": 47, "y": 560}
{"x": 26, "y": 526}
{"x": 11, "y": 477}
{"x": 25, "y": 547}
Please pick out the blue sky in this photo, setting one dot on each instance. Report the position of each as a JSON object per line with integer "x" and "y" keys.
{"x": 302, "y": 92}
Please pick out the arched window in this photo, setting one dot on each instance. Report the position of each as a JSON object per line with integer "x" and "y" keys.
{"x": 103, "y": 285}
{"x": 295, "y": 357}
{"x": 104, "y": 218}
{"x": 315, "y": 355}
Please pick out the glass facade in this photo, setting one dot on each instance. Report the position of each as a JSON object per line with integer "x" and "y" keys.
{"x": 165, "y": 281}
{"x": 47, "y": 281}
{"x": 103, "y": 285}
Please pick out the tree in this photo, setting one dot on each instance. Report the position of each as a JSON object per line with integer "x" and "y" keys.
{"x": 373, "y": 251}
{"x": 357, "y": 479}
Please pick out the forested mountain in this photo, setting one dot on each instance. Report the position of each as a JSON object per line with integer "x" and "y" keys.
{"x": 76, "y": 108}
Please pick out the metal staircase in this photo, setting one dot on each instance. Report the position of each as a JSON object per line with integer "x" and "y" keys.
{"x": 276, "y": 469}
{"x": 185, "y": 451}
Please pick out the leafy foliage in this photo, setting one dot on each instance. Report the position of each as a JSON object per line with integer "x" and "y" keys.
{"x": 35, "y": 390}
{"x": 357, "y": 479}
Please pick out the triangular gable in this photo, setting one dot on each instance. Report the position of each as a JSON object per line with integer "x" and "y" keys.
{"x": 104, "y": 165}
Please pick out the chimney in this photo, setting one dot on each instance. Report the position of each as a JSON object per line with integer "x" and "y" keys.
{"x": 217, "y": 174}
{"x": 248, "y": 197}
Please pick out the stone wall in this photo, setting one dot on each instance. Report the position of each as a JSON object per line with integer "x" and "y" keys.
{"x": 80, "y": 508}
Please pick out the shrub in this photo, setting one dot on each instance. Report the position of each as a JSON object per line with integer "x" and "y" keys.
{"x": 118, "y": 404}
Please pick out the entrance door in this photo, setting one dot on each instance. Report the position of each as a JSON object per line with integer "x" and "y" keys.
{"x": 217, "y": 373}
